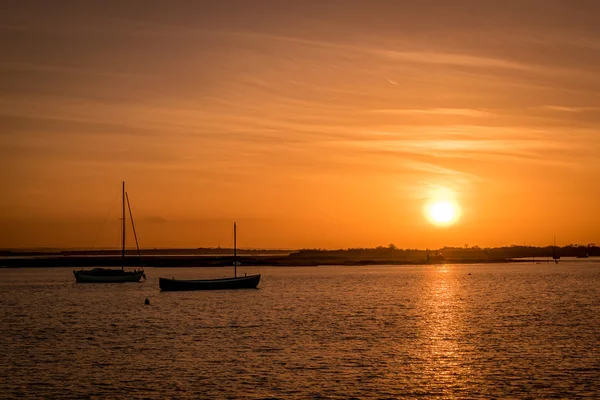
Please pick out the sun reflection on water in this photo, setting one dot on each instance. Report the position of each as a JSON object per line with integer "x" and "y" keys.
{"x": 442, "y": 330}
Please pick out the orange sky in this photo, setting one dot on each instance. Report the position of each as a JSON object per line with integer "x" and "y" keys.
{"x": 312, "y": 124}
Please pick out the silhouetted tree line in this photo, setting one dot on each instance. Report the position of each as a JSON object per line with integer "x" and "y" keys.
{"x": 351, "y": 256}
{"x": 452, "y": 253}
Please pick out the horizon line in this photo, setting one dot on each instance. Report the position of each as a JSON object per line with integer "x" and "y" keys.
{"x": 475, "y": 247}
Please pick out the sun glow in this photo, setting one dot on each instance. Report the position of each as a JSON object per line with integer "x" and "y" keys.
{"x": 442, "y": 213}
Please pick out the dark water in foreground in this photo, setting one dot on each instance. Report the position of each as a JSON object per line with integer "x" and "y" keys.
{"x": 505, "y": 331}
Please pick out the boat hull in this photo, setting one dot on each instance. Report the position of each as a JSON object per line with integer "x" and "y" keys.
{"x": 177, "y": 285}
{"x": 107, "y": 276}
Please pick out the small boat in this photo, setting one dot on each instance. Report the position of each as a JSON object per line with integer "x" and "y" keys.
{"x": 436, "y": 259}
{"x": 554, "y": 255}
{"x": 108, "y": 275}
{"x": 584, "y": 255}
{"x": 242, "y": 282}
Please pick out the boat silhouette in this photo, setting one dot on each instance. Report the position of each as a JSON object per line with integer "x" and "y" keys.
{"x": 111, "y": 275}
{"x": 555, "y": 256}
{"x": 242, "y": 282}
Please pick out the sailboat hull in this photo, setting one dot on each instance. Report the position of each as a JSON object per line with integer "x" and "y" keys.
{"x": 177, "y": 285}
{"x": 101, "y": 275}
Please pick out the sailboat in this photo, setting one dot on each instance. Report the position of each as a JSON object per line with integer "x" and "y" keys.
{"x": 242, "y": 282}
{"x": 110, "y": 275}
{"x": 555, "y": 257}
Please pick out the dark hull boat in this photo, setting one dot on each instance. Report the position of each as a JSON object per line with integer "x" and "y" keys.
{"x": 107, "y": 275}
{"x": 176, "y": 285}
{"x": 242, "y": 282}
{"x": 104, "y": 275}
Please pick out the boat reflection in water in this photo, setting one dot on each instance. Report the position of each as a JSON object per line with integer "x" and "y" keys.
{"x": 242, "y": 282}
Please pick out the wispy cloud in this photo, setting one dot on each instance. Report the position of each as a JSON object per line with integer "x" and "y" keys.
{"x": 458, "y": 57}
{"x": 61, "y": 69}
{"x": 466, "y": 147}
{"x": 534, "y": 147}
{"x": 465, "y": 112}
{"x": 569, "y": 109}
{"x": 465, "y": 60}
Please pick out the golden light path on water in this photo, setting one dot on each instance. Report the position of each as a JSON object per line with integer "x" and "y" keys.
{"x": 443, "y": 328}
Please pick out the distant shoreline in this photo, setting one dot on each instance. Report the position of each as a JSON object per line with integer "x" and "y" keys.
{"x": 222, "y": 257}
{"x": 226, "y": 261}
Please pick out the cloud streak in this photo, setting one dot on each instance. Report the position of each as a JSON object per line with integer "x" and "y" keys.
{"x": 465, "y": 112}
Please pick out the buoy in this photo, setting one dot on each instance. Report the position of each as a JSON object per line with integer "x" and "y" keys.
{"x": 147, "y": 302}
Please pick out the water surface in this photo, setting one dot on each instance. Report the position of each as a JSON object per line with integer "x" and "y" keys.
{"x": 448, "y": 331}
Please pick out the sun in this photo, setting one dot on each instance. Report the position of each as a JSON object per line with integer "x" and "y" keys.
{"x": 442, "y": 213}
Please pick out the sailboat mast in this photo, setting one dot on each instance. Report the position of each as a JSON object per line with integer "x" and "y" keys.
{"x": 133, "y": 226}
{"x": 124, "y": 226}
{"x": 234, "y": 250}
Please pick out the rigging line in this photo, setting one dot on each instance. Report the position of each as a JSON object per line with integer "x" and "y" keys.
{"x": 105, "y": 220}
{"x": 133, "y": 226}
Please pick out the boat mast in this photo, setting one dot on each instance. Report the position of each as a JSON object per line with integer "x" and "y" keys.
{"x": 234, "y": 251}
{"x": 133, "y": 226}
{"x": 124, "y": 226}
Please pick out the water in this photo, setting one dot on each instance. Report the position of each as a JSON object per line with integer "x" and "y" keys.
{"x": 452, "y": 331}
